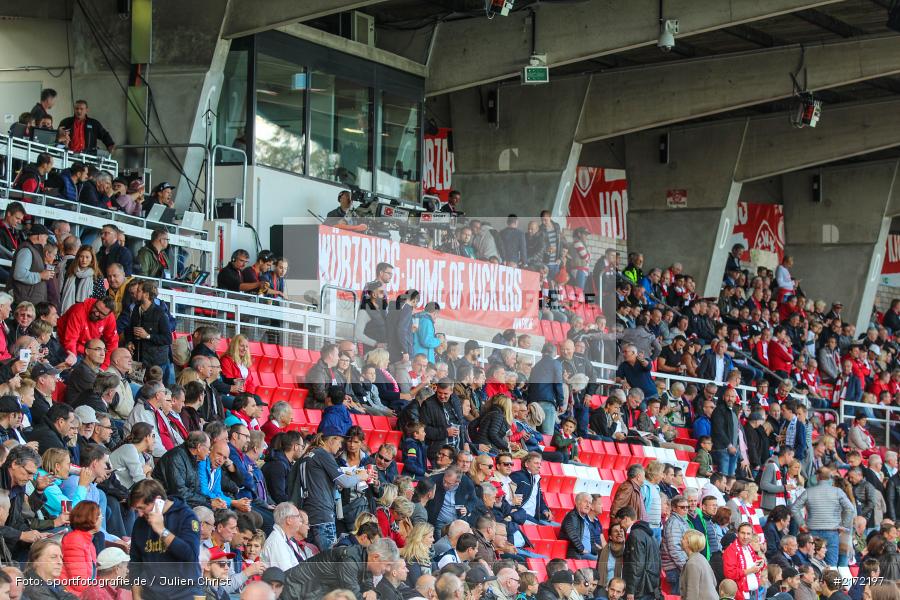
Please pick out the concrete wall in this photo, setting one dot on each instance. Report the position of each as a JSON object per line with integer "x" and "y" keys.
{"x": 838, "y": 244}
{"x": 701, "y": 162}
{"x": 517, "y": 166}
{"x": 33, "y": 42}
{"x": 185, "y": 36}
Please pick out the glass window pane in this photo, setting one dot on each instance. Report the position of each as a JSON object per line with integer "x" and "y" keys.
{"x": 340, "y": 130}
{"x": 398, "y": 161}
{"x": 231, "y": 114}
{"x": 280, "y": 126}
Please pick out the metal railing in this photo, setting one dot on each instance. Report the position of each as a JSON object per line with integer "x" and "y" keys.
{"x": 889, "y": 417}
{"x": 13, "y": 148}
{"x": 284, "y": 321}
{"x": 52, "y": 208}
{"x": 209, "y": 191}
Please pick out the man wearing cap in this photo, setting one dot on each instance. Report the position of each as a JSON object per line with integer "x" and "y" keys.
{"x": 275, "y": 578}
{"x": 10, "y": 417}
{"x": 30, "y": 274}
{"x": 216, "y": 564}
{"x": 45, "y": 378}
{"x": 111, "y": 251}
{"x": 476, "y": 578}
{"x": 313, "y": 481}
{"x": 129, "y": 199}
{"x": 557, "y": 587}
{"x": 346, "y": 567}
{"x": 161, "y": 194}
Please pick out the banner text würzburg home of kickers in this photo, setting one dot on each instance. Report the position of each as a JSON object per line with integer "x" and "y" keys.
{"x": 473, "y": 291}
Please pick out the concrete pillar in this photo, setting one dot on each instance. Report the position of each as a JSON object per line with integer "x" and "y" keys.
{"x": 525, "y": 163}
{"x": 703, "y": 164}
{"x": 838, "y": 244}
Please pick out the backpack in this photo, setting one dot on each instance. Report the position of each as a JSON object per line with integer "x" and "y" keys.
{"x": 298, "y": 481}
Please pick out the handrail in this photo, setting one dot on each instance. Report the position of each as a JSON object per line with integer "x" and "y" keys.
{"x": 80, "y": 214}
{"x": 14, "y": 148}
{"x": 206, "y": 151}
{"x": 211, "y": 205}
{"x": 870, "y": 408}
{"x": 267, "y": 303}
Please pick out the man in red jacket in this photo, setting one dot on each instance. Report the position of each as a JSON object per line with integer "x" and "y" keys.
{"x": 88, "y": 320}
{"x": 781, "y": 357}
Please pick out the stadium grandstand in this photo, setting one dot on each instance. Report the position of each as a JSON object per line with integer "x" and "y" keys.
{"x": 449, "y": 300}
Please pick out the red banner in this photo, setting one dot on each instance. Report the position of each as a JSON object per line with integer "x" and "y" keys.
{"x": 472, "y": 291}
{"x": 439, "y": 165}
{"x": 891, "y": 264}
{"x": 759, "y": 227}
{"x": 599, "y": 202}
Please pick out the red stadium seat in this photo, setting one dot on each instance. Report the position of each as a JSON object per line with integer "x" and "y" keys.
{"x": 265, "y": 393}
{"x": 314, "y": 416}
{"x": 298, "y": 397}
{"x": 364, "y": 421}
{"x": 281, "y": 394}
{"x": 267, "y": 379}
{"x": 256, "y": 349}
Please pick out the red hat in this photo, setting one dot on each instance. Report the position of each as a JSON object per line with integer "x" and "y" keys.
{"x": 216, "y": 553}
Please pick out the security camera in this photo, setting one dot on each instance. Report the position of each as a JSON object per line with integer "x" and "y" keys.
{"x": 668, "y": 29}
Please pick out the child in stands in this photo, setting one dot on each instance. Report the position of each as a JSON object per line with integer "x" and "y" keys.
{"x": 566, "y": 442}
{"x": 704, "y": 456}
{"x": 413, "y": 449}
{"x": 252, "y": 549}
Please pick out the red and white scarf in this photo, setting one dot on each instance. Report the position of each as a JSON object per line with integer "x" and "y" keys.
{"x": 780, "y": 497}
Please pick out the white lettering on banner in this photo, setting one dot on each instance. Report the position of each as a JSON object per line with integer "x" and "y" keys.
{"x": 894, "y": 248}
{"x": 476, "y": 291}
{"x": 439, "y": 165}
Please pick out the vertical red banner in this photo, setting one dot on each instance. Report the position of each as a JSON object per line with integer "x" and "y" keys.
{"x": 599, "y": 202}
{"x": 439, "y": 165}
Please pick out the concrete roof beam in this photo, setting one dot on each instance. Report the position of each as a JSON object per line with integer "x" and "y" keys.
{"x": 628, "y": 100}
{"x": 246, "y": 17}
{"x": 471, "y": 52}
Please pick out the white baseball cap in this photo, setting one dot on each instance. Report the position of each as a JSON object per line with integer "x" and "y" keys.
{"x": 110, "y": 557}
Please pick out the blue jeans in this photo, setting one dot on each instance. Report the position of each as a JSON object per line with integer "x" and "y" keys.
{"x": 549, "y": 424}
{"x": 323, "y": 535}
{"x": 657, "y": 534}
{"x": 726, "y": 462}
{"x": 580, "y": 278}
{"x": 672, "y": 576}
{"x": 586, "y": 557}
{"x": 832, "y": 539}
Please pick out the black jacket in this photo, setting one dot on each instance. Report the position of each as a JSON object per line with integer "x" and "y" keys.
{"x": 491, "y": 429}
{"x": 92, "y": 399}
{"x": 465, "y": 496}
{"x": 47, "y": 437}
{"x": 571, "y": 530}
{"x": 386, "y": 590}
{"x": 892, "y": 496}
{"x": 546, "y": 591}
{"x": 40, "y": 407}
{"x": 16, "y": 523}
{"x": 343, "y": 567}
{"x": 722, "y": 426}
{"x": 176, "y": 470}
{"x": 116, "y": 253}
{"x": 155, "y": 350}
{"x": 318, "y": 381}
{"x": 432, "y": 415}
{"x": 642, "y": 563}
{"x": 93, "y": 131}
{"x": 80, "y": 379}
{"x": 524, "y": 483}
{"x": 276, "y": 470}
{"x": 757, "y": 445}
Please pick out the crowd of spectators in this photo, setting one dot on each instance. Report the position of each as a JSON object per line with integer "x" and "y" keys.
{"x": 157, "y": 459}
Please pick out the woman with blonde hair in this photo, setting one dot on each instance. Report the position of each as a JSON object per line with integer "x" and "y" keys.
{"x": 83, "y": 279}
{"x": 388, "y": 388}
{"x": 236, "y": 363}
{"x": 417, "y": 551}
{"x": 795, "y": 477}
{"x": 482, "y": 469}
{"x": 697, "y": 582}
{"x": 383, "y": 508}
